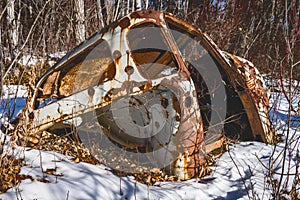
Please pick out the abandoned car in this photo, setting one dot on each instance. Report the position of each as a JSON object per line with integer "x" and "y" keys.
{"x": 153, "y": 90}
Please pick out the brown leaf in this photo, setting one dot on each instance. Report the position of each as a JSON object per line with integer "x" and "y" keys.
{"x": 50, "y": 171}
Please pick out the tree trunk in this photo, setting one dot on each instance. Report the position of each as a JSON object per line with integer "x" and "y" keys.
{"x": 11, "y": 23}
{"x": 116, "y": 11}
{"x": 99, "y": 14}
{"x": 138, "y": 4}
{"x": 79, "y": 21}
{"x": 133, "y": 6}
{"x": 147, "y": 4}
{"x": 128, "y": 7}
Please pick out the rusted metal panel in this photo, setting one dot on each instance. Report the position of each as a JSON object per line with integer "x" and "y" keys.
{"x": 109, "y": 69}
{"x": 255, "y": 99}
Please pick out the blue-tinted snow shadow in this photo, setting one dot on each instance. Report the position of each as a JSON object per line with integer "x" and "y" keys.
{"x": 276, "y": 115}
{"x": 236, "y": 194}
{"x": 9, "y": 108}
{"x": 240, "y": 191}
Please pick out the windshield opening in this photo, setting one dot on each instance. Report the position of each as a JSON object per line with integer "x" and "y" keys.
{"x": 150, "y": 51}
{"x": 91, "y": 67}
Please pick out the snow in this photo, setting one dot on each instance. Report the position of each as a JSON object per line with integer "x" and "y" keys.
{"x": 86, "y": 181}
{"x": 239, "y": 173}
{"x": 28, "y": 59}
{"x": 13, "y": 99}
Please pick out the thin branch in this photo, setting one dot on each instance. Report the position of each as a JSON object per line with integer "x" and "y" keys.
{"x": 26, "y": 40}
{"x": 236, "y": 166}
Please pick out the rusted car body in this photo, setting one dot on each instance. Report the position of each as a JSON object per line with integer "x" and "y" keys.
{"x": 139, "y": 76}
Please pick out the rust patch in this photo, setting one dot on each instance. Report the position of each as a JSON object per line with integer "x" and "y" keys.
{"x": 108, "y": 96}
{"x": 252, "y": 81}
{"x": 116, "y": 54}
{"x": 31, "y": 115}
{"x": 86, "y": 74}
{"x": 145, "y": 14}
{"x": 124, "y": 23}
{"x": 129, "y": 70}
{"x": 145, "y": 86}
{"x": 258, "y": 101}
{"x": 298, "y": 111}
{"x": 180, "y": 166}
{"x": 48, "y": 87}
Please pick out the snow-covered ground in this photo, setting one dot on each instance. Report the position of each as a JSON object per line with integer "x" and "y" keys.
{"x": 239, "y": 173}
{"x": 13, "y": 99}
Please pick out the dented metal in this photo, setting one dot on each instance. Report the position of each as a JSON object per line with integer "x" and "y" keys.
{"x": 110, "y": 67}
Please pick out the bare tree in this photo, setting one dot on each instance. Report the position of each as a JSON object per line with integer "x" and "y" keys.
{"x": 99, "y": 13}
{"x": 13, "y": 26}
{"x": 79, "y": 21}
{"x": 138, "y": 4}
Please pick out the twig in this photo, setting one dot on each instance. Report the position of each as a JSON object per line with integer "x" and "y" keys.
{"x": 26, "y": 40}
{"x": 244, "y": 182}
